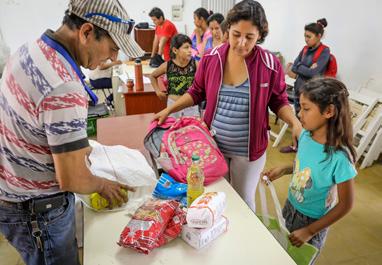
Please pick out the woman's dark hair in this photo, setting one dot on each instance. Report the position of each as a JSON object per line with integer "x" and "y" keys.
{"x": 156, "y": 12}
{"x": 317, "y": 27}
{"x": 215, "y": 17}
{"x": 224, "y": 26}
{"x": 177, "y": 41}
{"x": 325, "y": 92}
{"x": 75, "y": 22}
{"x": 249, "y": 10}
{"x": 202, "y": 13}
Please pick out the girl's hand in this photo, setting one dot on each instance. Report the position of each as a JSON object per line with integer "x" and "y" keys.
{"x": 313, "y": 66}
{"x": 161, "y": 95}
{"x": 161, "y": 116}
{"x": 300, "y": 236}
{"x": 273, "y": 173}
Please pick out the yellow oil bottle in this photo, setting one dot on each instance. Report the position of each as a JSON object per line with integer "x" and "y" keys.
{"x": 195, "y": 180}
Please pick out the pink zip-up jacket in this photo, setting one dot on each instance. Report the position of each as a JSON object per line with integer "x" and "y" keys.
{"x": 267, "y": 89}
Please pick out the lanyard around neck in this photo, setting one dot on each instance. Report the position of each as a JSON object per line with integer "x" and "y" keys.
{"x": 60, "y": 49}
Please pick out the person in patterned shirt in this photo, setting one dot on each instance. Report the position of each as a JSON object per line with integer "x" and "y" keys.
{"x": 43, "y": 139}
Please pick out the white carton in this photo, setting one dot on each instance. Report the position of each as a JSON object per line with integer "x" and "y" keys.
{"x": 200, "y": 237}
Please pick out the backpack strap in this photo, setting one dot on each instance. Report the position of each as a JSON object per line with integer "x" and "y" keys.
{"x": 317, "y": 53}
{"x": 305, "y": 50}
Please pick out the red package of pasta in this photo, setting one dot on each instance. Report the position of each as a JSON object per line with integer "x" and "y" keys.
{"x": 174, "y": 227}
{"x": 155, "y": 223}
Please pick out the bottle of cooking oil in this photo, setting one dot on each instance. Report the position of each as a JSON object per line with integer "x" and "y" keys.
{"x": 195, "y": 180}
{"x": 98, "y": 202}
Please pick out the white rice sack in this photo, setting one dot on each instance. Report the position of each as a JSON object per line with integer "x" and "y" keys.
{"x": 206, "y": 209}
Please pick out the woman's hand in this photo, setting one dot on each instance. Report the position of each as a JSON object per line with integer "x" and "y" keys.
{"x": 289, "y": 71}
{"x": 313, "y": 66}
{"x": 288, "y": 67}
{"x": 161, "y": 116}
{"x": 198, "y": 32}
{"x": 300, "y": 236}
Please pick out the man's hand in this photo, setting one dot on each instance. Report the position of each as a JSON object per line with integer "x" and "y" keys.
{"x": 111, "y": 191}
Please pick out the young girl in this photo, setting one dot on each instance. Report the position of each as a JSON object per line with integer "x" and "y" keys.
{"x": 180, "y": 72}
{"x": 323, "y": 166}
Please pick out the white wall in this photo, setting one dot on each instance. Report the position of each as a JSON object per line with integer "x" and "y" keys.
{"x": 24, "y": 20}
{"x": 139, "y": 10}
{"x": 354, "y": 33}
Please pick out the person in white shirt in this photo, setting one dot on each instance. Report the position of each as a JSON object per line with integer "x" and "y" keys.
{"x": 101, "y": 77}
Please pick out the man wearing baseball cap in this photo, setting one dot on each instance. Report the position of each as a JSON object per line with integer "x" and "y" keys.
{"x": 43, "y": 139}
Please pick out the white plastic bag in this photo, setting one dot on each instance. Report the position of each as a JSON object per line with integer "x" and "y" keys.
{"x": 304, "y": 255}
{"x": 125, "y": 165}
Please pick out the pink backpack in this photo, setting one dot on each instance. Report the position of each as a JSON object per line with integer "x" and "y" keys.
{"x": 175, "y": 141}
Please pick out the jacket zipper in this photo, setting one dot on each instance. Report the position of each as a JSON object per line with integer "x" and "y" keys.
{"x": 249, "y": 112}
{"x": 221, "y": 83}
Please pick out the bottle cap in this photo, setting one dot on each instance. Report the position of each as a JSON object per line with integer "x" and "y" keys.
{"x": 195, "y": 158}
{"x": 138, "y": 60}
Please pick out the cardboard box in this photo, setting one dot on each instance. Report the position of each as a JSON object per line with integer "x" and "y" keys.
{"x": 201, "y": 237}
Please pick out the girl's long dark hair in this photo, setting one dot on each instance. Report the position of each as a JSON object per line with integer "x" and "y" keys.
{"x": 325, "y": 92}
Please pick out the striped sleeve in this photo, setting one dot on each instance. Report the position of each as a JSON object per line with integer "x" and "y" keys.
{"x": 63, "y": 114}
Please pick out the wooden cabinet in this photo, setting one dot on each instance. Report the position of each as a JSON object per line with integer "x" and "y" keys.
{"x": 145, "y": 38}
{"x": 143, "y": 101}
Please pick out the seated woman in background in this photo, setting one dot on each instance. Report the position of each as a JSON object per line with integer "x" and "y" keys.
{"x": 304, "y": 68}
{"x": 224, "y": 28}
{"x": 101, "y": 77}
{"x": 214, "y": 21}
{"x": 180, "y": 72}
{"x": 201, "y": 33}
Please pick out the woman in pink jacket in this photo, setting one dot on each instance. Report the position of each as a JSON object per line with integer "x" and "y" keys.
{"x": 239, "y": 81}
